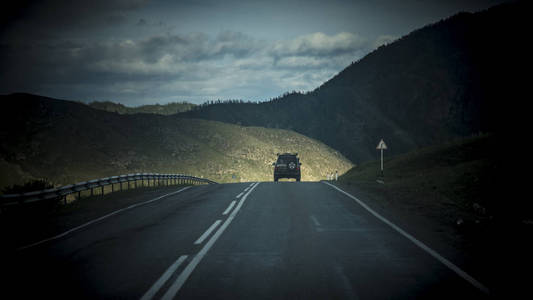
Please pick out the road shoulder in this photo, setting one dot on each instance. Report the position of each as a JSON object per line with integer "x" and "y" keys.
{"x": 494, "y": 253}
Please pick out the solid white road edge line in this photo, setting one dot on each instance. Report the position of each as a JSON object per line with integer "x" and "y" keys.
{"x": 430, "y": 251}
{"x": 176, "y": 286}
{"x": 229, "y": 208}
{"x": 99, "y": 219}
{"x": 161, "y": 281}
{"x": 207, "y": 232}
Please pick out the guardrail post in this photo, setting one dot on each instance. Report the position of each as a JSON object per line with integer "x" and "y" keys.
{"x": 102, "y": 190}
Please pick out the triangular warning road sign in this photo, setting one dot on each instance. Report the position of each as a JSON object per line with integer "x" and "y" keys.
{"x": 381, "y": 145}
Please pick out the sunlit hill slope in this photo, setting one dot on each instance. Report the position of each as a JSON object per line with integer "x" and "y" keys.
{"x": 66, "y": 142}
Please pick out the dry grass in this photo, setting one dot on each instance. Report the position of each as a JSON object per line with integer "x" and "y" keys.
{"x": 66, "y": 142}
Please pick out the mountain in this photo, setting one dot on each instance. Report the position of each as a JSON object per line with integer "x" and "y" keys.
{"x": 67, "y": 142}
{"x": 458, "y": 77}
{"x": 166, "y": 109}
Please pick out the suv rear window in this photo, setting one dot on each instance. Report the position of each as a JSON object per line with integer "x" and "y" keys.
{"x": 286, "y": 159}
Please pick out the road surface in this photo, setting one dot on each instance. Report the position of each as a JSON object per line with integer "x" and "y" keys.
{"x": 285, "y": 240}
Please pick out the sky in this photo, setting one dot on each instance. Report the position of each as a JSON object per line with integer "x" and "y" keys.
{"x": 143, "y": 52}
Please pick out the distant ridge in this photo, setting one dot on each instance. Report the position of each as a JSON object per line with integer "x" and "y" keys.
{"x": 160, "y": 109}
{"x": 457, "y": 77}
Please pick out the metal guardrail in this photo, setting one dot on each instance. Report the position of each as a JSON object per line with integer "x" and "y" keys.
{"x": 62, "y": 192}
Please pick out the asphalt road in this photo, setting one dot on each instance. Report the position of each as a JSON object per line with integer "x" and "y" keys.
{"x": 285, "y": 240}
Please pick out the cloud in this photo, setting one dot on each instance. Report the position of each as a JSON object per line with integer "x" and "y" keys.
{"x": 192, "y": 67}
{"x": 142, "y": 22}
{"x": 55, "y": 18}
{"x": 319, "y": 44}
{"x": 384, "y": 40}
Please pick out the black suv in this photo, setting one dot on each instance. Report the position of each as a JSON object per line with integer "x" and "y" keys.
{"x": 287, "y": 166}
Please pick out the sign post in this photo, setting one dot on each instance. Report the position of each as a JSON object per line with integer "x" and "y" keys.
{"x": 381, "y": 146}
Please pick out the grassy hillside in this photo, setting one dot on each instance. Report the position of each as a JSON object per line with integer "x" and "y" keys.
{"x": 454, "y": 78}
{"x": 466, "y": 199}
{"x": 468, "y": 178}
{"x": 166, "y": 109}
{"x": 67, "y": 142}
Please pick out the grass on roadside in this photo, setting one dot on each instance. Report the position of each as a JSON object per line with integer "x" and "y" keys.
{"x": 470, "y": 177}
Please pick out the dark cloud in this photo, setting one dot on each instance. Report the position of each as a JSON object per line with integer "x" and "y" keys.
{"x": 142, "y": 22}
{"x": 178, "y": 62}
{"x": 32, "y": 20}
{"x": 236, "y": 44}
{"x": 320, "y": 44}
{"x": 115, "y": 20}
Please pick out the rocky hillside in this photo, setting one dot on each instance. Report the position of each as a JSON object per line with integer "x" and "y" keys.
{"x": 67, "y": 142}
